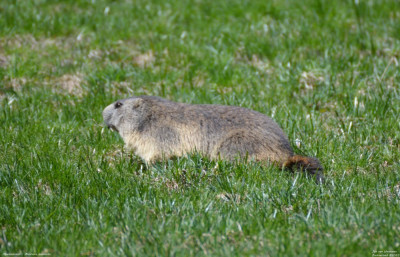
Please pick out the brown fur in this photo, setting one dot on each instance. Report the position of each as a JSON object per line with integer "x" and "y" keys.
{"x": 156, "y": 128}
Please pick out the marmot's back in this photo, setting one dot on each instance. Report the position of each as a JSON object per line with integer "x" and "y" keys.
{"x": 156, "y": 128}
{"x": 234, "y": 130}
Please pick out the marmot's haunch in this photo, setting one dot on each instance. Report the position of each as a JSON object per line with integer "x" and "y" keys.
{"x": 156, "y": 128}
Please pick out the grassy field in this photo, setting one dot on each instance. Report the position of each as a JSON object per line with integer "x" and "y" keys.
{"x": 326, "y": 71}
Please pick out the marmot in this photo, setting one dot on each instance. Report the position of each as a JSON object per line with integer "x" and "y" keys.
{"x": 156, "y": 128}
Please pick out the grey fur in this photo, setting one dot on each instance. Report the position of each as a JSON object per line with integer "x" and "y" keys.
{"x": 157, "y": 128}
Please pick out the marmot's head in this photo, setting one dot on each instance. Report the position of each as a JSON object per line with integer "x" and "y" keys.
{"x": 125, "y": 116}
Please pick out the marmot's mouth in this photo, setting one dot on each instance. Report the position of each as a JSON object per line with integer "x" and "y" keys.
{"x": 113, "y": 128}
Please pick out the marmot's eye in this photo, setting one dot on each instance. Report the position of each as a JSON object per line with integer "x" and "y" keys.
{"x": 118, "y": 104}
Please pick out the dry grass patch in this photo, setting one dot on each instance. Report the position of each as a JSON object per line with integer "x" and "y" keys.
{"x": 198, "y": 81}
{"x": 261, "y": 64}
{"x": 11, "y": 85}
{"x": 4, "y": 61}
{"x": 170, "y": 184}
{"x": 236, "y": 198}
{"x": 70, "y": 84}
{"x": 144, "y": 60}
{"x": 121, "y": 87}
{"x": 311, "y": 79}
{"x": 16, "y": 84}
{"x": 95, "y": 54}
{"x": 44, "y": 188}
{"x": 40, "y": 44}
{"x": 112, "y": 156}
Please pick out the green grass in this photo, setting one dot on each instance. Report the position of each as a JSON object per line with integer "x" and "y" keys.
{"x": 326, "y": 71}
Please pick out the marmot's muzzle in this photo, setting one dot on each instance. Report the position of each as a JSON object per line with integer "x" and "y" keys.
{"x": 112, "y": 127}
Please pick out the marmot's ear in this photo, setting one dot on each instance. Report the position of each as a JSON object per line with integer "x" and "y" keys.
{"x": 138, "y": 102}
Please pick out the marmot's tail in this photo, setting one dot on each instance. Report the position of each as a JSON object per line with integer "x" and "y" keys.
{"x": 309, "y": 164}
